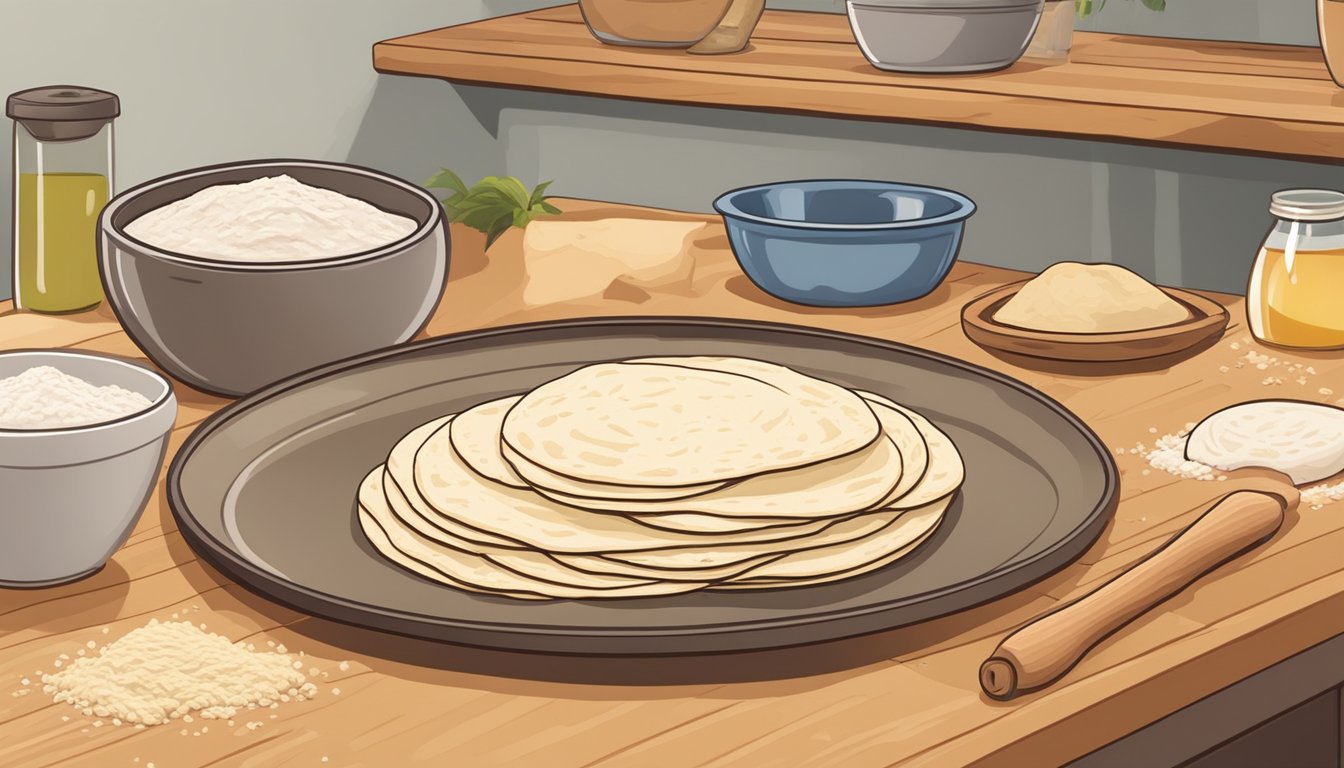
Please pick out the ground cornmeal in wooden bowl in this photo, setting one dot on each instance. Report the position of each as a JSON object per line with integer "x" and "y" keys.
{"x": 1092, "y": 314}
{"x": 1070, "y": 297}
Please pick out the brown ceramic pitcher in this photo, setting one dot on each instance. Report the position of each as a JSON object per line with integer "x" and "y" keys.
{"x": 700, "y": 26}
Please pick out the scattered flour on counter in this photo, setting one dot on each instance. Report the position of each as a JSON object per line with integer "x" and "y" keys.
{"x": 1321, "y": 495}
{"x": 43, "y": 397}
{"x": 164, "y": 671}
{"x": 275, "y": 218}
{"x": 1168, "y": 455}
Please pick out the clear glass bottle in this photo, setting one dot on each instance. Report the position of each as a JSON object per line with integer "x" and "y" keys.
{"x": 63, "y": 168}
{"x": 1054, "y": 33}
{"x": 1293, "y": 298}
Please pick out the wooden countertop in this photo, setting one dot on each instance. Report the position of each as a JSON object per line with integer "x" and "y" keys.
{"x": 1264, "y": 99}
{"x": 918, "y": 703}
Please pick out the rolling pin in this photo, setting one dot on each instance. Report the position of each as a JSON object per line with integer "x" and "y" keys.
{"x": 1046, "y": 649}
{"x": 1289, "y": 443}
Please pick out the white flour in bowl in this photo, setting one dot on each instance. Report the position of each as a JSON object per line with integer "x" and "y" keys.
{"x": 43, "y": 397}
{"x": 275, "y": 218}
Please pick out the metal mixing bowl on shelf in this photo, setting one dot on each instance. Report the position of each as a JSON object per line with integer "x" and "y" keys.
{"x": 231, "y": 327}
{"x": 943, "y": 36}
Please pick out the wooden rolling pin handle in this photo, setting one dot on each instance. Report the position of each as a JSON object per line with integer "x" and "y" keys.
{"x": 1044, "y": 650}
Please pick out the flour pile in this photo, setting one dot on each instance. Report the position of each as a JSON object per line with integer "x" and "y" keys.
{"x": 275, "y": 218}
{"x": 164, "y": 671}
{"x": 44, "y": 397}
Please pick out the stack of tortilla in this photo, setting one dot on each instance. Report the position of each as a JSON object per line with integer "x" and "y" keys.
{"x": 660, "y": 476}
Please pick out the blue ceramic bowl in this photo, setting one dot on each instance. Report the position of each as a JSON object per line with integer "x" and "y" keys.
{"x": 845, "y": 243}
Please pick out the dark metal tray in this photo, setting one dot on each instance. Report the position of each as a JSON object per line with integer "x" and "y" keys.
{"x": 264, "y": 490}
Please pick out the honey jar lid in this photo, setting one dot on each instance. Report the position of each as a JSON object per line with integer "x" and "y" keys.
{"x": 1307, "y": 204}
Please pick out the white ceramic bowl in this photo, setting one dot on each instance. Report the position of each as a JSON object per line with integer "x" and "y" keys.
{"x": 70, "y": 496}
{"x": 943, "y": 36}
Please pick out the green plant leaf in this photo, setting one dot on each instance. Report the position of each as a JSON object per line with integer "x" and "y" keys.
{"x": 538, "y": 194}
{"x": 482, "y": 217}
{"x": 493, "y": 232}
{"x": 1087, "y": 8}
{"x": 493, "y": 204}
{"x": 446, "y": 179}
{"x": 507, "y": 187}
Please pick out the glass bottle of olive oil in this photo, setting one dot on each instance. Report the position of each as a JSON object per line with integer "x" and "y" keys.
{"x": 62, "y": 179}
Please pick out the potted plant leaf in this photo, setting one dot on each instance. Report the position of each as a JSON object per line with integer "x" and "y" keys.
{"x": 493, "y": 205}
{"x": 1054, "y": 35}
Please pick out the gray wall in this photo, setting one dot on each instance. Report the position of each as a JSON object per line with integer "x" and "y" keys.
{"x": 211, "y": 82}
{"x": 1180, "y": 217}
{"x": 1292, "y": 22}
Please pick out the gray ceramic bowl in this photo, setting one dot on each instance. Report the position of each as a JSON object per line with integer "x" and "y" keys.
{"x": 71, "y": 496}
{"x": 231, "y": 328}
{"x": 943, "y": 35}
{"x": 845, "y": 243}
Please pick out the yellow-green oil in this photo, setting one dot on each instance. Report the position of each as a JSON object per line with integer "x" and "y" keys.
{"x": 57, "y": 258}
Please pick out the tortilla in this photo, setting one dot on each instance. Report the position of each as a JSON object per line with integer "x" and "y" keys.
{"x": 457, "y": 496}
{"x": 394, "y": 541}
{"x": 479, "y": 571}
{"x": 515, "y": 557}
{"x": 713, "y": 572}
{"x": 899, "y": 425}
{"x": 713, "y": 554}
{"x": 539, "y": 566}
{"x": 400, "y": 471}
{"x": 851, "y": 483}
{"x": 945, "y": 471}
{"x": 820, "y": 490}
{"x": 651, "y": 425}
{"x": 840, "y": 558}
{"x": 695, "y": 522}
{"x": 373, "y": 530}
{"x": 537, "y": 476}
{"x": 475, "y": 436}
{"x": 748, "y": 583}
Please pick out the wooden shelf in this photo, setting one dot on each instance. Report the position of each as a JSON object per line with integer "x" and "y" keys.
{"x": 1262, "y": 99}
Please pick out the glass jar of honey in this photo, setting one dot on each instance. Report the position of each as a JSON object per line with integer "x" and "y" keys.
{"x": 1293, "y": 299}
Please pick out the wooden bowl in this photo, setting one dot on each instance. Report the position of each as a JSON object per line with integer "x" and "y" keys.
{"x": 1207, "y": 321}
